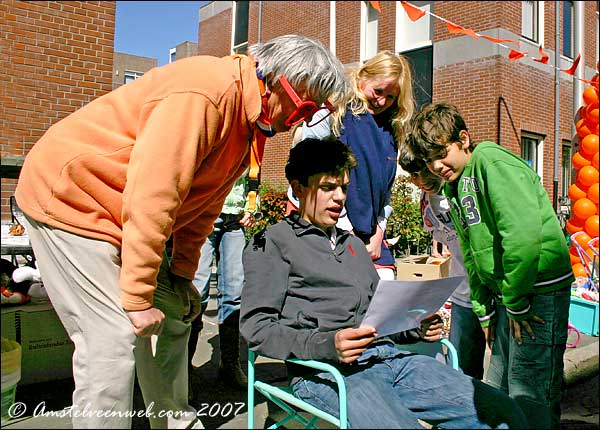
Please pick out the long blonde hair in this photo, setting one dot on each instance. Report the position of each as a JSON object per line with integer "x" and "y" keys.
{"x": 384, "y": 64}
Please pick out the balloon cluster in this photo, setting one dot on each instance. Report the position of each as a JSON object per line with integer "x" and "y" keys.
{"x": 583, "y": 225}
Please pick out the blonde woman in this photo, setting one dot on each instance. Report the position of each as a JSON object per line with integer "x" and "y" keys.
{"x": 373, "y": 125}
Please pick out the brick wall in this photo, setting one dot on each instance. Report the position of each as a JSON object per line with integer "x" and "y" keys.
{"x": 60, "y": 57}
{"x": 474, "y": 85}
{"x": 214, "y": 35}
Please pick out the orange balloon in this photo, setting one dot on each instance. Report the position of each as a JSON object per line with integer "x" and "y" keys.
{"x": 579, "y": 271}
{"x": 589, "y": 145}
{"x": 582, "y": 238}
{"x": 573, "y": 255}
{"x": 575, "y": 193}
{"x": 584, "y": 208}
{"x": 582, "y": 128}
{"x": 587, "y": 176}
{"x": 591, "y": 115}
{"x": 580, "y": 161}
{"x": 591, "y": 226}
{"x": 595, "y": 161}
{"x": 592, "y": 193}
{"x": 574, "y": 225}
{"x": 590, "y": 96}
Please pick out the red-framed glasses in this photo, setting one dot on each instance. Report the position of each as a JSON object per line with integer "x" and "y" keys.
{"x": 305, "y": 109}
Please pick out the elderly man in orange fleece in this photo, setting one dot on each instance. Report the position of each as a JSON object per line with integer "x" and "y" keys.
{"x": 105, "y": 188}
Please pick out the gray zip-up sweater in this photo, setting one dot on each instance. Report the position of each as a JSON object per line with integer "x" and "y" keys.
{"x": 298, "y": 291}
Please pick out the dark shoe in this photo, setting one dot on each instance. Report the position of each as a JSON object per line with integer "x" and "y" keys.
{"x": 233, "y": 375}
{"x": 230, "y": 370}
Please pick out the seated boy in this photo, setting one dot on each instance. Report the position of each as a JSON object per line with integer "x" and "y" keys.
{"x": 307, "y": 288}
{"x": 515, "y": 254}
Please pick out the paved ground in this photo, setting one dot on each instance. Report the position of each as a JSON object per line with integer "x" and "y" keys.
{"x": 580, "y": 402}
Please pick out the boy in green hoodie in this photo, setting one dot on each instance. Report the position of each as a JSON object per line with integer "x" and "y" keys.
{"x": 515, "y": 254}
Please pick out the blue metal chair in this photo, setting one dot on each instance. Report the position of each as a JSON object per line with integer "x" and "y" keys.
{"x": 291, "y": 405}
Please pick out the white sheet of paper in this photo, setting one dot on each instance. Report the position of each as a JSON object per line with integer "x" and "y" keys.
{"x": 402, "y": 305}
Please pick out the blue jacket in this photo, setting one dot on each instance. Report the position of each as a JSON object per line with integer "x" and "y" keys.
{"x": 371, "y": 182}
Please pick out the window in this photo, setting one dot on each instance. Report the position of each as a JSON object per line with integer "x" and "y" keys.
{"x": 131, "y": 76}
{"x": 566, "y": 168}
{"x": 532, "y": 151}
{"x": 412, "y": 35}
{"x": 369, "y": 28}
{"x": 421, "y": 60}
{"x": 172, "y": 54}
{"x": 568, "y": 25}
{"x": 530, "y": 20}
{"x": 240, "y": 28}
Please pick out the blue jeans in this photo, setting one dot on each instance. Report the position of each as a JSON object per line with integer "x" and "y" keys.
{"x": 532, "y": 372}
{"x": 468, "y": 338}
{"x": 226, "y": 244}
{"x": 389, "y": 388}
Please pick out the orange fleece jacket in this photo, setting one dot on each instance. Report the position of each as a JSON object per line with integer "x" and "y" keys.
{"x": 153, "y": 157}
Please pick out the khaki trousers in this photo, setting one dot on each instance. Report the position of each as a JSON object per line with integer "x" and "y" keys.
{"x": 81, "y": 276}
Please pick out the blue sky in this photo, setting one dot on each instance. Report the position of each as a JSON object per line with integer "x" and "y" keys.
{"x": 151, "y": 28}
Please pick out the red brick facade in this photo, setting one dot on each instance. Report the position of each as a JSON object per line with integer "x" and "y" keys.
{"x": 57, "y": 56}
{"x": 482, "y": 87}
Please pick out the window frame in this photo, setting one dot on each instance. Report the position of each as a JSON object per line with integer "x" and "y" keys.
{"x": 366, "y": 31}
{"x": 537, "y": 19}
{"x": 242, "y": 46}
{"x": 538, "y": 151}
{"x": 131, "y": 74}
{"x": 402, "y": 21}
{"x": 570, "y": 37}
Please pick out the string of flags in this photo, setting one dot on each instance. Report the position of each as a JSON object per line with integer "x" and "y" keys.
{"x": 415, "y": 13}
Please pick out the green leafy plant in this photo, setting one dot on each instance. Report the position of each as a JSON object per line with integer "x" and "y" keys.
{"x": 273, "y": 200}
{"x": 405, "y": 225}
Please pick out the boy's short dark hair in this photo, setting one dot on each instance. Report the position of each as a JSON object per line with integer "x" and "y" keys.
{"x": 313, "y": 156}
{"x": 408, "y": 161}
{"x": 433, "y": 128}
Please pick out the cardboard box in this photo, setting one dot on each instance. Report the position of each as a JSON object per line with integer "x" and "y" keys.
{"x": 47, "y": 351}
{"x": 422, "y": 268}
{"x": 9, "y": 326}
{"x": 583, "y": 314}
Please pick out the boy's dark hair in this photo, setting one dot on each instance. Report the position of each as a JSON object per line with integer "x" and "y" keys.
{"x": 433, "y": 128}
{"x": 313, "y": 156}
{"x": 408, "y": 161}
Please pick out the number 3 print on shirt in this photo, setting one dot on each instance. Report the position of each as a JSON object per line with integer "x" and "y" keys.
{"x": 471, "y": 211}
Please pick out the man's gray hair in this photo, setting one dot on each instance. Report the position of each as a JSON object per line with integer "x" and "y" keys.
{"x": 304, "y": 62}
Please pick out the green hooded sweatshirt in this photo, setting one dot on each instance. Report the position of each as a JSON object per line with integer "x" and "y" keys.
{"x": 512, "y": 242}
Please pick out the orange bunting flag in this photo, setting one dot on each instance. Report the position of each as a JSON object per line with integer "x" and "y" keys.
{"x": 544, "y": 57}
{"x": 375, "y": 5}
{"x": 453, "y": 28}
{"x": 515, "y": 55}
{"x": 413, "y": 12}
{"x": 495, "y": 40}
{"x": 571, "y": 70}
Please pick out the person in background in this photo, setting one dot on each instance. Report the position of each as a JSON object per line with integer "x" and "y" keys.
{"x": 373, "y": 124}
{"x": 515, "y": 253}
{"x": 466, "y": 333}
{"x": 225, "y": 244}
{"x": 105, "y": 187}
{"x": 307, "y": 288}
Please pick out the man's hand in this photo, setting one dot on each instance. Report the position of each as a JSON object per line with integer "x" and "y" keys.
{"x": 516, "y": 327}
{"x": 247, "y": 220}
{"x": 374, "y": 245}
{"x": 146, "y": 322}
{"x": 490, "y": 333}
{"x": 351, "y": 342}
{"x": 189, "y": 295}
{"x": 432, "y": 328}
